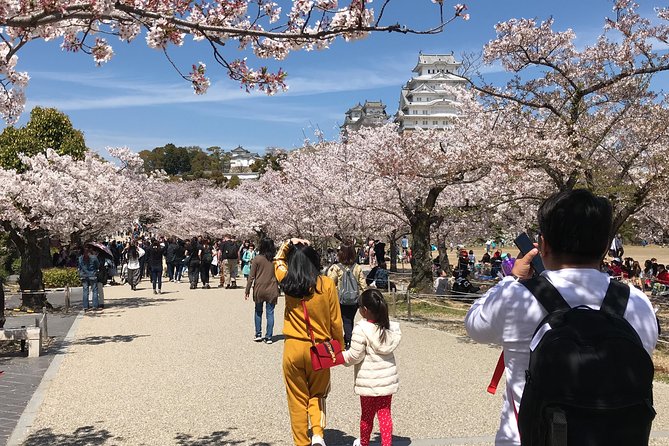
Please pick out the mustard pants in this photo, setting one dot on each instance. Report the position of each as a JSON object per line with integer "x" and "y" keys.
{"x": 306, "y": 391}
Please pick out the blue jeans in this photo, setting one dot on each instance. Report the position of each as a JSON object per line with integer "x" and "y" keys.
{"x": 93, "y": 284}
{"x": 270, "y": 319}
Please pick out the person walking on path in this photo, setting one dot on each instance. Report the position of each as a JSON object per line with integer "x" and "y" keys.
{"x": 374, "y": 340}
{"x": 247, "y": 257}
{"x": 133, "y": 254}
{"x": 265, "y": 288}
{"x": 171, "y": 258}
{"x": 88, "y": 266}
{"x": 193, "y": 252}
{"x": 205, "y": 267}
{"x": 155, "y": 260}
{"x": 179, "y": 257}
{"x": 231, "y": 255}
{"x": 348, "y": 290}
{"x": 297, "y": 268}
{"x": 221, "y": 263}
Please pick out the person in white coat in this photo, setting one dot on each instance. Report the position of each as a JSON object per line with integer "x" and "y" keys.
{"x": 373, "y": 342}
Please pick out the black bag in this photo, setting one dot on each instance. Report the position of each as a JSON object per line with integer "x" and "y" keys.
{"x": 590, "y": 381}
{"x": 102, "y": 274}
{"x": 229, "y": 249}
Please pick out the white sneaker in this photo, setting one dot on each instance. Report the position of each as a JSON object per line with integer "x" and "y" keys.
{"x": 356, "y": 442}
{"x": 258, "y": 338}
{"x": 317, "y": 439}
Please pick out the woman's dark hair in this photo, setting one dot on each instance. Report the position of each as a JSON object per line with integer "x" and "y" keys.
{"x": 304, "y": 267}
{"x": 346, "y": 255}
{"x": 132, "y": 251}
{"x": 267, "y": 248}
{"x": 376, "y": 305}
{"x": 576, "y": 224}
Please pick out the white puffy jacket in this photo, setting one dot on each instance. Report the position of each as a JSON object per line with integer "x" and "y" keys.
{"x": 375, "y": 369}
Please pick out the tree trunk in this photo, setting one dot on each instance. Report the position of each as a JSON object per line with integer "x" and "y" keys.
{"x": 421, "y": 266}
{"x": 393, "y": 251}
{"x": 46, "y": 261}
{"x": 443, "y": 254}
{"x": 30, "y": 278}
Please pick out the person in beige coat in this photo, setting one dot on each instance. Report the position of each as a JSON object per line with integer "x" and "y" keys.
{"x": 347, "y": 256}
{"x": 265, "y": 288}
{"x": 374, "y": 340}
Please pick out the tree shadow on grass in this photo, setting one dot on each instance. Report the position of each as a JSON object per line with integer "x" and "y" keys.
{"x": 83, "y": 436}
{"x": 218, "y": 438}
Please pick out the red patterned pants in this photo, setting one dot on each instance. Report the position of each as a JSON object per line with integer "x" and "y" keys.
{"x": 379, "y": 406}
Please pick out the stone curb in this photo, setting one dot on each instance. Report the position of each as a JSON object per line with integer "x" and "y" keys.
{"x": 30, "y": 412}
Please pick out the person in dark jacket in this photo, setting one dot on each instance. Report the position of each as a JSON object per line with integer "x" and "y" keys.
{"x": 170, "y": 258}
{"x": 155, "y": 262}
{"x": 179, "y": 257}
{"x": 205, "y": 258}
{"x": 193, "y": 252}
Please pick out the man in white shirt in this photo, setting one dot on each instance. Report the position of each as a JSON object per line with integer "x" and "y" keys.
{"x": 574, "y": 229}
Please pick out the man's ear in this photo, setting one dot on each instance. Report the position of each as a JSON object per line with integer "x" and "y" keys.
{"x": 544, "y": 248}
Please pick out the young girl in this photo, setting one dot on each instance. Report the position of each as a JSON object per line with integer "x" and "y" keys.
{"x": 372, "y": 344}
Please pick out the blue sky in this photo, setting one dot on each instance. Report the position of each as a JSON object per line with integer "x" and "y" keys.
{"x": 138, "y": 100}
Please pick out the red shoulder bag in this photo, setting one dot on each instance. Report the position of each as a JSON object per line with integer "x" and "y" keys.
{"x": 324, "y": 354}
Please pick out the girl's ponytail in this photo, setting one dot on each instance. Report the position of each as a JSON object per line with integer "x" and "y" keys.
{"x": 372, "y": 299}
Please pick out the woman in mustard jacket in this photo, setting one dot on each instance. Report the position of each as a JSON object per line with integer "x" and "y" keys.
{"x": 297, "y": 268}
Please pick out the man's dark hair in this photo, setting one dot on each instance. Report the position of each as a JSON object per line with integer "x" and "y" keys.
{"x": 576, "y": 224}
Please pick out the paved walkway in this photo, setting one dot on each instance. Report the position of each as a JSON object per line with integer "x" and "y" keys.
{"x": 181, "y": 369}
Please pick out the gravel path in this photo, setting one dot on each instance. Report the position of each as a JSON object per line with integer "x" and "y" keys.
{"x": 181, "y": 369}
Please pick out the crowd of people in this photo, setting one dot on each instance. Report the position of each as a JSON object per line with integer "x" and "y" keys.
{"x": 324, "y": 293}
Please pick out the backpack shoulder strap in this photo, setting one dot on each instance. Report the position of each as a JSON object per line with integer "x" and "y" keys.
{"x": 544, "y": 291}
{"x": 615, "y": 300}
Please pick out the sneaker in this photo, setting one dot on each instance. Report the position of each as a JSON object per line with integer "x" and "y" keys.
{"x": 155, "y": 292}
{"x": 160, "y": 292}
{"x": 317, "y": 439}
{"x": 220, "y": 285}
{"x": 269, "y": 341}
{"x": 356, "y": 442}
{"x": 258, "y": 338}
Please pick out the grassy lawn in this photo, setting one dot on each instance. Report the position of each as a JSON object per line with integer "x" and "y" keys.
{"x": 447, "y": 315}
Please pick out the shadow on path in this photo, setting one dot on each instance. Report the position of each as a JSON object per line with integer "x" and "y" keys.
{"x": 137, "y": 302}
{"x": 97, "y": 340}
{"x": 83, "y": 436}
{"x": 218, "y": 438}
{"x": 334, "y": 437}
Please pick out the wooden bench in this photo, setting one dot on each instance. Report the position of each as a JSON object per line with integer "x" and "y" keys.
{"x": 33, "y": 336}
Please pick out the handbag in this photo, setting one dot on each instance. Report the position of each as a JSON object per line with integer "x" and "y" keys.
{"x": 324, "y": 354}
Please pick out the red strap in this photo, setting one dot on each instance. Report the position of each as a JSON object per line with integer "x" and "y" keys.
{"x": 306, "y": 318}
{"x": 497, "y": 375}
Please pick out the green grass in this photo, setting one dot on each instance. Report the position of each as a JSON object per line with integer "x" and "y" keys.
{"x": 428, "y": 309}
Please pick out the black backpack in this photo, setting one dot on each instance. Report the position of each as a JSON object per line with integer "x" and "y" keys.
{"x": 230, "y": 250}
{"x": 590, "y": 381}
{"x": 381, "y": 279}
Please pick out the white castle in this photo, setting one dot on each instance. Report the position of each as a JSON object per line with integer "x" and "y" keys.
{"x": 423, "y": 101}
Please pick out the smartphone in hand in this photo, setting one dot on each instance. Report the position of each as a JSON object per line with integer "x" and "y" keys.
{"x": 525, "y": 245}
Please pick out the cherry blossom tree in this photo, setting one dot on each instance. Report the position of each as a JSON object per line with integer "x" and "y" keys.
{"x": 382, "y": 181}
{"x": 71, "y": 200}
{"x": 259, "y": 27}
{"x": 584, "y": 117}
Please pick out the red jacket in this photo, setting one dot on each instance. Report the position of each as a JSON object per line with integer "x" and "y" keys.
{"x": 663, "y": 277}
